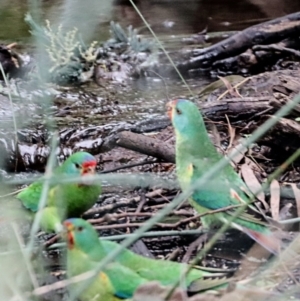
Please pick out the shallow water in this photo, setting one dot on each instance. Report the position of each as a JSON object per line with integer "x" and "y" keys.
{"x": 173, "y": 17}
{"x": 171, "y": 20}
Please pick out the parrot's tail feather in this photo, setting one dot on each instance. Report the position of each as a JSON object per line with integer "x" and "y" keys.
{"x": 267, "y": 240}
{"x": 201, "y": 285}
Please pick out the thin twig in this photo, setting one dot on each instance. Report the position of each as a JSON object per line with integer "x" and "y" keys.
{"x": 11, "y": 193}
{"x": 25, "y": 257}
{"x": 194, "y": 245}
{"x": 129, "y": 166}
{"x": 115, "y": 216}
{"x": 161, "y": 225}
{"x": 44, "y": 193}
{"x": 234, "y": 87}
{"x": 162, "y": 47}
{"x": 122, "y": 203}
{"x": 146, "y": 234}
{"x": 274, "y": 48}
{"x": 141, "y": 203}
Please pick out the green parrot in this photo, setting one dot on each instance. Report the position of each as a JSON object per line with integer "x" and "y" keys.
{"x": 195, "y": 155}
{"x": 66, "y": 199}
{"x": 82, "y": 235}
{"x": 115, "y": 282}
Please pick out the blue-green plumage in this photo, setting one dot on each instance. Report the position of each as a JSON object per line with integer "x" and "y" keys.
{"x": 195, "y": 155}
{"x": 166, "y": 272}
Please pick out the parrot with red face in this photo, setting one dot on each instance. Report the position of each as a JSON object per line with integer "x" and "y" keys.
{"x": 64, "y": 199}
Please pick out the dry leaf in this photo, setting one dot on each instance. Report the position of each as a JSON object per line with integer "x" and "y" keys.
{"x": 227, "y": 85}
{"x": 240, "y": 155}
{"x": 216, "y": 136}
{"x": 219, "y": 83}
{"x": 231, "y": 132}
{"x": 275, "y": 199}
{"x": 253, "y": 184}
{"x": 296, "y": 191}
{"x": 231, "y": 90}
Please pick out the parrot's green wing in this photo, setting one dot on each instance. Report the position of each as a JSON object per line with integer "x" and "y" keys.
{"x": 30, "y": 196}
{"x": 166, "y": 272}
{"x": 114, "y": 282}
{"x": 220, "y": 193}
{"x": 50, "y": 217}
{"x": 124, "y": 280}
{"x": 207, "y": 284}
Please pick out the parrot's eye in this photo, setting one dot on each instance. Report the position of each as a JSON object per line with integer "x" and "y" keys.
{"x": 80, "y": 229}
{"x": 77, "y": 165}
{"x": 178, "y": 111}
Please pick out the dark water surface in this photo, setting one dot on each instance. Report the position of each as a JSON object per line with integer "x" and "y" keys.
{"x": 173, "y": 17}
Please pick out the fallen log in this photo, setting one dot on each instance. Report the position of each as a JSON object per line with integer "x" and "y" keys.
{"x": 259, "y": 58}
{"x": 265, "y": 33}
{"x": 236, "y": 108}
{"x": 146, "y": 145}
{"x": 282, "y": 135}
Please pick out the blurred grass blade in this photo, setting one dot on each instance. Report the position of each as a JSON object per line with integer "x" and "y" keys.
{"x": 46, "y": 185}
{"x": 162, "y": 47}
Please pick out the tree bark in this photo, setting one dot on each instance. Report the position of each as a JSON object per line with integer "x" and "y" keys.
{"x": 146, "y": 145}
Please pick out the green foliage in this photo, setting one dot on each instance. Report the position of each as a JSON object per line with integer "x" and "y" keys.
{"x": 67, "y": 55}
{"x": 68, "y": 60}
{"x": 135, "y": 43}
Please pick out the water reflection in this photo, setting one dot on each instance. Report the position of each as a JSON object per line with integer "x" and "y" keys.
{"x": 144, "y": 97}
{"x": 174, "y": 17}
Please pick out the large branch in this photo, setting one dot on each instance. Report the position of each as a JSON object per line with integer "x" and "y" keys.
{"x": 236, "y": 108}
{"x": 146, "y": 145}
{"x": 265, "y": 33}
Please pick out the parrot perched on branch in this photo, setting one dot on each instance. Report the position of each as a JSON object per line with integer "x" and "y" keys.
{"x": 195, "y": 155}
{"x": 64, "y": 199}
{"x": 84, "y": 245}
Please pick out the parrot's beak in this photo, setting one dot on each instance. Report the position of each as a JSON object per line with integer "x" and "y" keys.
{"x": 170, "y": 108}
{"x": 68, "y": 234}
{"x": 88, "y": 168}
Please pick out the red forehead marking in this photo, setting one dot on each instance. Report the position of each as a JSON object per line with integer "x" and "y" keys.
{"x": 174, "y": 102}
{"x": 170, "y": 106}
{"x": 69, "y": 236}
{"x": 70, "y": 240}
{"x": 89, "y": 164}
{"x": 67, "y": 224}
